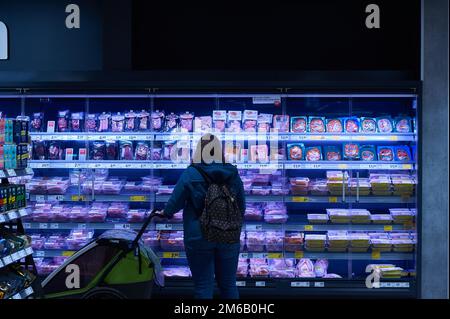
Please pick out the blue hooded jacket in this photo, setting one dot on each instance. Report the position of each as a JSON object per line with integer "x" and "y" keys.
{"x": 190, "y": 192}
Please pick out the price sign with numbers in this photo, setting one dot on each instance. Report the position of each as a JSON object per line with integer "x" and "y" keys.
{"x": 300, "y": 284}
{"x": 171, "y": 255}
{"x": 122, "y": 226}
{"x": 43, "y": 226}
{"x": 54, "y": 226}
{"x": 260, "y": 283}
{"x": 163, "y": 226}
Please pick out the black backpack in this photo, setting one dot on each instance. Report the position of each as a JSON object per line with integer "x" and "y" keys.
{"x": 221, "y": 219}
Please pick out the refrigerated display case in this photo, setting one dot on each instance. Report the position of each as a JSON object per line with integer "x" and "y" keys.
{"x": 331, "y": 181}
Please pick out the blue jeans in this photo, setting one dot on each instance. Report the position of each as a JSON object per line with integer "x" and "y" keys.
{"x": 207, "y": 259}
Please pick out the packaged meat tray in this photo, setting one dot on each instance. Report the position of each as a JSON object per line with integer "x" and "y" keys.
{"x": 401, "y": 215}
{"x": 359, "y": 240}
{"x": 261, "y": 190}
{"x": 315, "y": 242}
{"x": 338, "y": 241}
{"x": 293, "y": 241}
{"x": 234, "y": 119}
{"x": 276, "y": 219}
{"x": 299, "y": 185}
{"x": 282, "y": 268}
{"x": 274, "y": 241}
{"x": 78, "y": 238}
{"x": 279, "y": 190}
{"x": 334, "y": 125}
{"x": 176, "y": 271}
{"x": 253, "y": 212}
{"x": 258, "y": 268}
{"x": 402, "y": 154}
{"x": 282, "y": 273}
{"x": 332, "y": 153}
{"x": 264, "y": 122}
{"x": 359, "y": 216}
{"x": 351, "y": 151}
{"x": 361, "y": 184}
{"x": 96, "y": 215}
{"x": 318, "y": 187}
{"x": 381, "y": 218}
{"x": 368, "y": 125}
{"x": 177, "y": 217}
{"x": 305, "y": 268}
{"x": 55, "y": 242}
{"x": 403, "y": 245}
{"x": 136, "y": 215}
{"x": 316, "y": 124}
{"x": 255, "y": 241}
{"x": 151, "y": 239}
{"x": 384, "y": 125}
{"x": 381, "y": 242}
{"x": 132, "y": 186}
{"x": 317, "y": 218}
{"x": 37, "y": 241}
{"x": 296, "y": 152}
{"x": 299, "y": 124}
{"x": 275, "y": 208}
{"x": 249, "y": 119}
{"x": 78, "y": 214}
{"x": 118, "y": 210}
{"x": 242, "y": 268}
{"x": 351, "y": 125}
{"x": 368, "y": 153}
{"x": 172, "y": 241}
{"x": 165, "y": 190}
{"x": 281, "y": 123}
{"x": 339, "y": 216}
{"x": 403, "y": 124}
{"x": 385, "y": 153}
{"x": 219, "y": 118}
{"x": 338, "y": 176}
{"x": 313, "y": 154}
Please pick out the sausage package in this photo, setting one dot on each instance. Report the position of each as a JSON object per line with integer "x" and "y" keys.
{"x": 264, "y": 122}
{"x": 403, "y": 124}
{"x": 316, "y": 124}
{"x": 299, "y": 124}
{"x": 76, "y": 121}
{"x": 91, "y": 123}
{"x": 296, "y": 151}
{"x": 333, "y": 153}
{"x": 313, "y": 154}
{"x": 234, "y": 119}
{"x": 104, "y": 123}
{"x": 368, "y": 153}
{"x": 37, "y": 122}
{"x": 351, "y": 151}
{"x": 402, "y": 153}
{"x": 232, "y": 152}
{"x": 130, "y": 121}
{"x": 281, "y": 123}
{"x": 186, "y": 122}
{"x": 98, "y": 151}
{"x": 126, "y": 151}
{"x": 368, "y": 125}
{"x": 202, "y": 124}
{"x": 111, "y": 151}
{"x": 158, "y": 121}
{"x": 334, "y": 125}
{"x": 117, "y": 123}
{"x": 142, "y": 151}
{"x": 250, "y": 120}
{"x": 219, "y": 121}
{"x": 63, "y": 121}
{"x": 351, "y": 125}
{"x": 259, "y": 153}
{"x": 384, "y": 125}
{"x": 171, "y": 122}
{"x": 143, "y": 121}
{"x": 385, "y": 153}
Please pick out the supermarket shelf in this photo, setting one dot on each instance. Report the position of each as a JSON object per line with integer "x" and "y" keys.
{"x": 178, "y": 136}
{"x": 24, "y": 294}
{"x": 312, "y": 255}
{"x": 86, "y": 198}
{"x": 12, "y": 215}
{"x": 7, "y": 260}
{"x": 7, "y": 173}
{"x": 249, "y": 226}
{"x": 290, "y": 165}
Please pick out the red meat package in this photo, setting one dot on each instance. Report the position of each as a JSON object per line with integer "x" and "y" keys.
{"x": 281, "y": 123}
{"x": 234, "y": 119}
{"x": 219, "y": 121}
{"x": 259, "y": 153}
{"x": 316, "y": 124}
{"x": 334, "y": 126}
{"x": 299, "y": 124}
{"x": 351, "y": 151}
{"x": 250, "y": 119}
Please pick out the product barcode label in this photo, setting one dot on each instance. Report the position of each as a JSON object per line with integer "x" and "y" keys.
{"x": 16, "y": 296}
{"x": 240, "y": 283}
{"x": 260, "y": 283}
{"x": 319, "y": 284}
{"x": 22, "y": 254}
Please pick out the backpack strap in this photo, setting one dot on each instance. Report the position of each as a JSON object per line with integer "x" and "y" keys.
{"x": 202, "y": 172}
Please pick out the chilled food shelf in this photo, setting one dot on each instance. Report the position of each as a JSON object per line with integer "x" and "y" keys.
{"x": 8, "y": 173}
{"x": 375, "y": 255}
{"x": 13, "y": 215}
{"x": 149, "y": 136}
{"x": 24, "y": 294}
{"x": 290, "y": 165}
{"x": 7, "y": 260}
{"x": 248, "y": 226}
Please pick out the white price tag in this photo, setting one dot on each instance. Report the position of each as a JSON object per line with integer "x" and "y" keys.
{"x": 28, "y": 291}
{"x": 299, "y": 284}
{"x": 163, "y": 226}
{"x": 22, "y": 253}
{"x": 243, "y": 255}
{"x": 54, "y": 226}
{"x": 2, "y": 174}
{"x": 11, "y": 172}
{"x": 121, "y": 226}
{"x": 16, "y": 297}
{"x": 22, "y": 212}
{"x": 81, "y": 226}
{"x": 40, "y": 198}
{"x": 43, "y": 226}
{"x": 259, "y": 255}
{"x": 29, "y": 251}
{"x": 1, "y": 263}
{"x": 2, "y": 218}
{"x": 319, "y": 284}
{"x": 240, "y": 283}
{"x": 13, "y": 215}
{"x": 26, "y": 225}
{"x": 55, "y": 198}
{"x": 254, "y": 227}
{"x": 40, "y": 253}
{"x": 260, "y": 283}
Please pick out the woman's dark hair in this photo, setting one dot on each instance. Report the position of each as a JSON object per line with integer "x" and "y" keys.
{"x": 209, "y": 150}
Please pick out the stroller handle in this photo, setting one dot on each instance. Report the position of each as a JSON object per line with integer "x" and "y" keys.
{"x": 145, "y": 225}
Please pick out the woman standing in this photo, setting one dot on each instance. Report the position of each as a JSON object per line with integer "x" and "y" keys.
{"x": 207, "y": 260}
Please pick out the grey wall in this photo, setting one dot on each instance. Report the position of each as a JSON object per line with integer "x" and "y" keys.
{"x": 435, "y": 134}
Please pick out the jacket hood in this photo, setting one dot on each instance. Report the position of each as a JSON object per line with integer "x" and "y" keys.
{"x": 219, "y": 172}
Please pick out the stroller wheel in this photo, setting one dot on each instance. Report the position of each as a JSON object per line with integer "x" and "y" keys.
{"x": 103, "y": 293}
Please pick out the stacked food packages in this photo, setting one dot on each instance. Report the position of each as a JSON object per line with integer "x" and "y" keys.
{"x": 359, "y": 241}
{"x": 337, "y": 182}
{"x": 403, "y": 185}
{"x": 315, "y": 242}
{"x": 293, "y": 241}
{"x": 299, "y": 185}
{"x": 318, "y": 218}
{"x": 338, "y": 241}
{"x": 402, "y": 215}
{"x": 359, "y": 186}
{"x": 380, "y": 241}
{"x": 359, "y": 216}
{"x": 380, "y": 184}
{"x": 387, "y": 270}
{"x": 339, "y": 216}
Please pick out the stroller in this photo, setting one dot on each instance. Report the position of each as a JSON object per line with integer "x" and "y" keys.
{"x": 114, "y": 266}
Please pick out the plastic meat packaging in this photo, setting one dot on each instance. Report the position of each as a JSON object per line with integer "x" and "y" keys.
{"x": 299, "y": 124}
{"x": 255, "y": 241}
